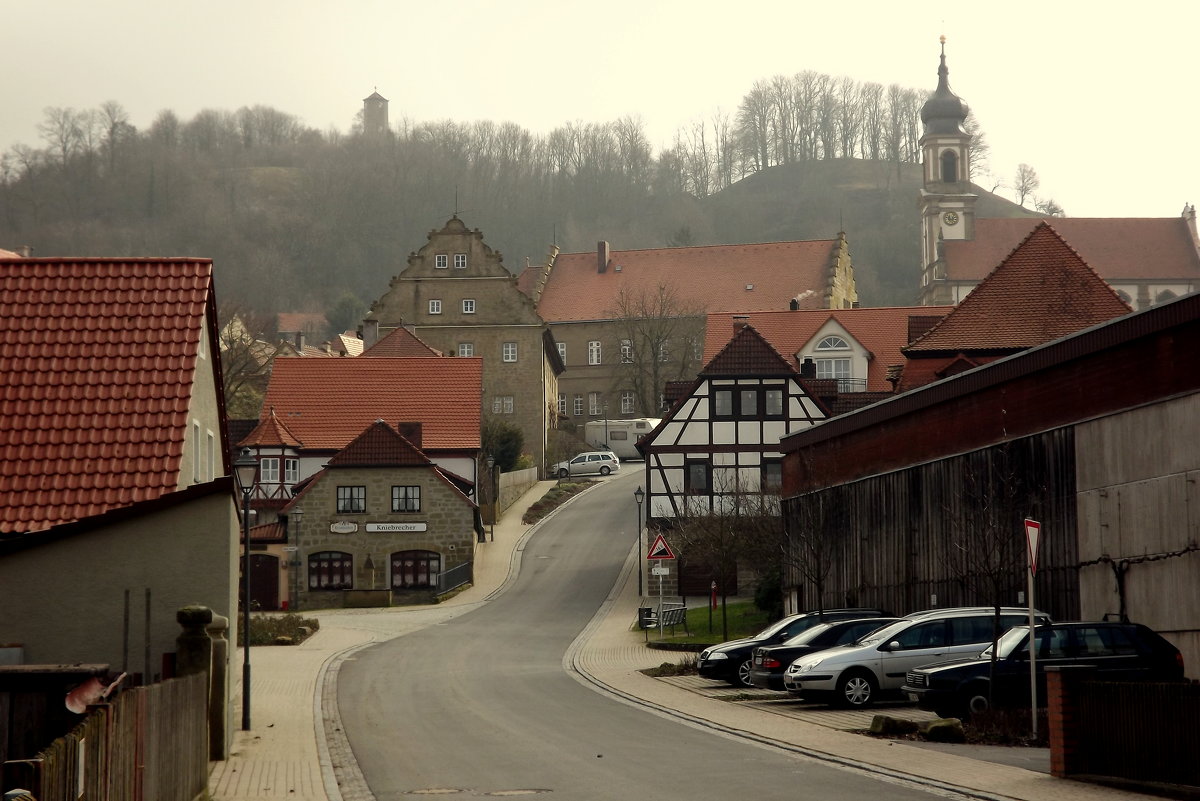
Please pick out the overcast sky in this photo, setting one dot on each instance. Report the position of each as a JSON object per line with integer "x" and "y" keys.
{"x": 1101, "y": 102}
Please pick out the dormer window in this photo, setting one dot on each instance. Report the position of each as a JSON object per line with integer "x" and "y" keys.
{"x": 833, "y": 343}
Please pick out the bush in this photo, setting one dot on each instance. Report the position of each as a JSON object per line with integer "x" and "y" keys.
{"x": 289, "y": 629}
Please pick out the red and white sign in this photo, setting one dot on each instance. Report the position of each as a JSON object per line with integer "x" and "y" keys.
{"x": 1033, "y": 533}
{"x": 659, "y": 549}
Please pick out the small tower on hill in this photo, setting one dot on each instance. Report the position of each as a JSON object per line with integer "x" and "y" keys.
{"x": 375, "y": 115}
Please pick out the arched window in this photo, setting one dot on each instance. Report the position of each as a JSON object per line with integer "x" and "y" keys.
{"x": 949, "y": 166}
{"x": 833, "y": 343}
{"x": 330, "y": 570}
{"x": 415, "y": 569}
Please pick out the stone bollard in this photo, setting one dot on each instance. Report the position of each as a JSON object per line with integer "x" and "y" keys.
{"x": 193, "y": 647}
{"x": 219, "y": 734}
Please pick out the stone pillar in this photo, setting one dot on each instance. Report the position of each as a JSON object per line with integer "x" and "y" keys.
{"x": 193, "y": 648}
{"x": 219, "y": 734}
{"x": 1062, "y": 682}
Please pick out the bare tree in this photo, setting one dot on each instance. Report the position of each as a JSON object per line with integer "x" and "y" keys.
{"x": 1026, "y": 182}
{"x": 980, "y": 149}
{"x": 246, "y": 358}
{"x": 1049, "y": 206}
{"x": 659, "y": 337}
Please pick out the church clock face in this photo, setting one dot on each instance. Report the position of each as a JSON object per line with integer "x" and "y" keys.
{"x": 950, "y": 218}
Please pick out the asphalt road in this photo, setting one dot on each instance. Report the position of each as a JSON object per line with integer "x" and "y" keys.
{"x": 481, "y": 706}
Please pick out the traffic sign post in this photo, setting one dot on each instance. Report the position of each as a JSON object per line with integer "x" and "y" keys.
{"x": 1033, "y": 534}
{"x": 660, "y": 550}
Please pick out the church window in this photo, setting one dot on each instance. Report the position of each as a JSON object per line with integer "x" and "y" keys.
{"x": 949, "y": 166}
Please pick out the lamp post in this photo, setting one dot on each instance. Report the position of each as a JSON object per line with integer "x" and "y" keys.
{"x": 245, "y": 469}
{"x": 606, "y": 445}
{"x": 639, "y": 495}
{"x": 491, "y": 463}
{"x": 296, "y": 515}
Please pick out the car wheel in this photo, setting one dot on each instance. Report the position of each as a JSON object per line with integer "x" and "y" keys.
{"x": 977, "y": 700}
{"x": 857, "y": 689}
{"x": 605, "y": 470}
{"x": 562, "y": 472}
{"x": 742, "y": 679}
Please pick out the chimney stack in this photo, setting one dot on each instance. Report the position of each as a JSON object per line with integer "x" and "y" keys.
{"x": 411, "y": 431}
{"x": 370, "y": 332}
{"x": 603, "y": 255}
{"x": 808, "y": 368}
{"x": 740, "y": 321}
{"x": 300, "y": 342}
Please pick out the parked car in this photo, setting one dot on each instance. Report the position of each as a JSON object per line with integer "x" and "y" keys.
{"x": 602, "y": 462}
{"x": 857, "y": 675}
{"x": 770, "y": 661}
{"x": 731, "y": 661}
{"x": 1118, "y": 652}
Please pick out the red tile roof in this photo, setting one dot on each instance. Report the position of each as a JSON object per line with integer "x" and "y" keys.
{"x": 326, "y": 403}
{"x": 882, "y": 331}
{"x": 1042, "y": 291}
{"x": 379, "y": 446}
{"x": 270, "y": 432}
{"x": 97, "y": 359}
{"x": 709, "y": 279}
{"x": 295, "y": 322}
{"x": 400, "y": 342}
{"x": 748, "y": 354}
{"x": 1116, "y": 248}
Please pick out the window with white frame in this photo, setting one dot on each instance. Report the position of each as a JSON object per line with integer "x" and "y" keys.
{"x": 502, "y": 404}
{"x": 626, "y": 351}
{"x": 562, "y": 351}
{"x": 508, "y": 352}
{"x": 291, "y": 471}
{"x": 723, "y": 403}
{"x": 594, "y": 351}
{"x": 406, "y": 499}
{"x": 435, "y": 307}
{"x": 578, "y": 405}
{"x": 833, "y": 368}
{"x": 351, "y": 500}
{"x": 773, "y": 403}
{"x": 626, "y": 402}
{"x": 664, "y": 352}
{"x": 594, "y": 403}
{"x": 441, "y": 261}
{"x": 468, "y": 305}
{"x": 268, "y": 470}
{"x": 196, "y": 455}
{"x": 833, "y": 343}
{"x": 460, "y": 261}
{"x": 508, "y": 404}
{"x": 562, "y": 403}
{"x": 466, "y": 348}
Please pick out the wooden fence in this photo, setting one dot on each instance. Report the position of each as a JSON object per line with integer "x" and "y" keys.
{"x": 147, "y": 744}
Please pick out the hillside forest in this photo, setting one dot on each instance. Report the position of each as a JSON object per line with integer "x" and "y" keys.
{"x": 297, "y": 219}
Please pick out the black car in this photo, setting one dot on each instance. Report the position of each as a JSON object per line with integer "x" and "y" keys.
{"x": 730, "y": 661}
{"x": 770, "y": 661}
{"x": 1118, "y": 651}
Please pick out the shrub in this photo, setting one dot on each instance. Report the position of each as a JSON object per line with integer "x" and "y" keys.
{"x": 289, "y": 629}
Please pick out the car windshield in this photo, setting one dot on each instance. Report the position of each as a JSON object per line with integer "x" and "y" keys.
{"x": 885, "y": 633}
{"x": 1009, "y": 641}
{"x": 808, "y": 635}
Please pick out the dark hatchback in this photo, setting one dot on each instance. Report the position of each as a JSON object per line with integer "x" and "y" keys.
{"x": 770, "y": 661}
{"x": 1117, "y": 651}
{"x": 731, "y": 661}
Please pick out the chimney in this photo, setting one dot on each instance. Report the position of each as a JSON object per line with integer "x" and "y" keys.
{"x": 299, "y": 339}
{"x": 808, "y": 368}
{"x": 794, "y": 304}
{"x": 740, "y": 321}
{"x": 603, "y": 255}
{"x": 370, "y": 332}
{"x": 1189, "y": 214}
{"x": 411, "y": 431}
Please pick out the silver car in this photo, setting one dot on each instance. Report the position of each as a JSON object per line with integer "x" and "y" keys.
{"x": 602, "y": 462}
{"x": 857, "y": 675}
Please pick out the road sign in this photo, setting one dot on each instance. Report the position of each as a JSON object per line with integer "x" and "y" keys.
{"x": 1033, "y": 532}
{"x": 660, "y": 571}
{"x": 659, "y": 549}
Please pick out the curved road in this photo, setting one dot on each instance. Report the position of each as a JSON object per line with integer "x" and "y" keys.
{"x": 481, "y": 706}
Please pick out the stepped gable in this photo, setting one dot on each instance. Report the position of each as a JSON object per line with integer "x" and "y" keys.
{"x": 748, "y": 354}
{"x": 380, "y": 445}
{"x": 1042, "y": 291}
{"x": 97, "y": 363}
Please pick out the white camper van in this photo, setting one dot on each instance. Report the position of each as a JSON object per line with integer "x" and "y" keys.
{"x": 619, "y": 436}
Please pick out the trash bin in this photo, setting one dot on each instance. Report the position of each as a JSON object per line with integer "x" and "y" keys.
{"x": 647, "y": 617}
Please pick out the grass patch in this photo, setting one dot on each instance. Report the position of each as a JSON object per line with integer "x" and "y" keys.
{"x": 559, "y": 493}
{"x": 289, "y": 629}
{"x": 744, "y": 619}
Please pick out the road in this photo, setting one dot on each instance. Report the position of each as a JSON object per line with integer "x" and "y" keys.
{"x": 482, "y": 706}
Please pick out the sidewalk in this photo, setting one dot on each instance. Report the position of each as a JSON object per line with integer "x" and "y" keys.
{"x": 295, "y": 687}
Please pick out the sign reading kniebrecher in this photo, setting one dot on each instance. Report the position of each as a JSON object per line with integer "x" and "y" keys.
{"x": 659, "y": 549}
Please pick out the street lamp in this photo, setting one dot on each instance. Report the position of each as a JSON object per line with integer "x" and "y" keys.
{"x": 606, "y": 445}
{"x": 245, "y": 469}
{"x": 639, "y": 495}
{"x": 491, "y": 463}
{"x": 295, "y": 516}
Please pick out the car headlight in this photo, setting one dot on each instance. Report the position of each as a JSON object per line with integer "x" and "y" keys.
{"x": 802, "y": 667}
{"x": 716, "y": 656}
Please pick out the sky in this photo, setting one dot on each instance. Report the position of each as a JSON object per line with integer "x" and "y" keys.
{"x": 1099, "y": 98}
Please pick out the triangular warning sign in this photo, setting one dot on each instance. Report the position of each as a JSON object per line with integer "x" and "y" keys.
{"x": 659, "y": 549}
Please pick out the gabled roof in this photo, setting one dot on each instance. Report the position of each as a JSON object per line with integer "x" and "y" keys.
{"x": 326, "y": 403}
{"x": 97, "y": 360}
{"x": 380, "y": 446}
{"x": 1117, "y": 248}
{"x": 1042, "y": 291}
{"x": 748, "y": 354}
{"x": 400, "y": 342}
{"x": 270, "y": 433}
{"x": 707, "y": 279}
{"x": 882, "y": 331}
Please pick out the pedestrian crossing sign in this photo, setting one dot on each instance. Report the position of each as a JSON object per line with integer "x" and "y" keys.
{"x": 659, "y": 549}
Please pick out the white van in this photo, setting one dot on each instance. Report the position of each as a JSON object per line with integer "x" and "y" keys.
{"x": 619, "y": 436}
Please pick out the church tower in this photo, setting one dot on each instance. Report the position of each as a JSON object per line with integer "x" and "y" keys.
{"x": 947, "y": 204}
{"x": 375, "y": 115}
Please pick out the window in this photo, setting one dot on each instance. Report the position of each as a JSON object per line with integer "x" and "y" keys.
{"x": 833, "y": 343}
{"x": 594, "y": 352}
{"x": 626, "y": 351}
{"x": 508, "y": 404}
{"x": 468, "y": 306}
{"x": 502, "y": 404}
{"x": 415, "y": 569}
{"x": 195, "y": 452}
{"x": 949, "y": 166}
{"x": 460, "y": 261}
{"x": 435, "y": 307}
{"x": 562, "y": 351}
{"x": 723, "y": 403}
{"x": 212, "y": 456}
{"x": 351, "y": 500}
{"x": 748, "y": 402}
{"x": 594, "y": 403}
{"x": 291, "y": 471}
{"x": 562, "y": 403}
{"x": 664, "y": 352}
{"x": 833, "y": 368}
{"x": 772, "y": 475}
{"x": 466, "y": 349}
{"x": 268, "y": 470}
{"x": 508, "y": 351}
{"x": 406, "y": 499}
{"x": 924, "y": 635}
{"x": 696, "y": 478}
{"x": 626, "y": 402}
{"x": 330, "y": 570}
{"x": 773, "y": 403}
{"x": 441, "y": 261}
{"x": 578, "y": 405}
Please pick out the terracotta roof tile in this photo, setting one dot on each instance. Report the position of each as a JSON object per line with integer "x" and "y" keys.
{"x": 296, "y": 322}
{"x": 400, "y": 342}
{"x": 97, "y": 358}
{"x": 1116, "y": 248}
{"x": 379, "y": 446}
{"x": 748, "y": 354}
{"x": 270, "y": 432}
{"x": 326, "y": 403}
{"x": 711, "y": 279}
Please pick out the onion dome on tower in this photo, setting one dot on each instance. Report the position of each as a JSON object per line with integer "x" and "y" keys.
{"x": 944, "y": 111}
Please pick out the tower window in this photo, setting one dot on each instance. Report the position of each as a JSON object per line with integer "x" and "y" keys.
{"x": 949, "y": 166}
